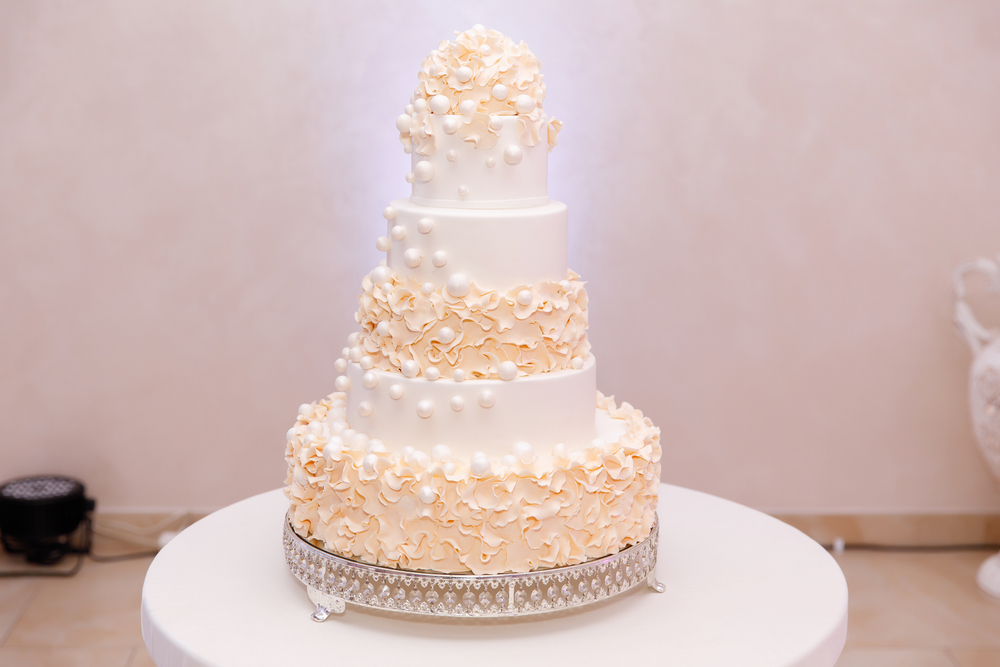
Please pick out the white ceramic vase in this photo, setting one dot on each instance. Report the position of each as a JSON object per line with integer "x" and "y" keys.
{"x": 984, "y": 389}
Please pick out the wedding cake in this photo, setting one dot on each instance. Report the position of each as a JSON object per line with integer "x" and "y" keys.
{"x": 464, "y": 434}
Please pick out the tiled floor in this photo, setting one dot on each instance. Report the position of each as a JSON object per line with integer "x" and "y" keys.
{"x": 906, "y": 610}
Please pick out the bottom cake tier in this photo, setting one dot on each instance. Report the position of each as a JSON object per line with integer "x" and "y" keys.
{"x": 417, "y": 511}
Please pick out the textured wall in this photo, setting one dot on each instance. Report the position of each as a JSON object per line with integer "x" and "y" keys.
{"x": 767, "y": 198}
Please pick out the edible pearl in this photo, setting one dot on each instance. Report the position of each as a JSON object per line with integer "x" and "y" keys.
{"x": 458, "y": 375}
{"x": 347, "y": 434}
{"x": 458, "y": 285}
{"x": 407, "y": 149}
{"x": 524, "y": 104}
{"x": 358, "y": 441}
{"x": 345, "y": 353}
{"x": 398, "y": 232}
{"x": 356, "y": 354}
{"x": 370, "y": 380}
{"x": 463, "y": 74}
{"x": 508, "y": 460}
{"x": 425, "y": 225}
{"x": 423, "y": 171}
{"x": 577, "y": 363}
{"x": 500, "y": 91}
{"x": 422, "y": 459}
{"x": 439, "y": 258}
{"x": 427, "y": 495}
{"x": 409, "y": 177}
{"x": 369, "y": 463}
{"x": 524, "y": 452}
{"x": 440, "y": 104}
{"x": 496, "y": 123}
{"x": 511, "y": 155}
{"x": 441, "y": 452}
{"x": 468, "y": 107}
{"x": 340, "y": 365}
{"x": 374, "y": 445}
{"x": 403, "y": 123}
{"x": 462, "y": 191}
{"x": 487, "y": 399}
{"x": 367, "y": 362}
{"x": 451, "y": 156}
{"x": 446, "y": 335}
{"x": 333, "y": 448}
{"x": 380, "y": 274}
{"x": 491, "y": 162}
{"x": 524, "y": 297}
{"x": 342, "y": 383}
{"x": 425, "y": 409}
{"x": 457, "y": 403}
{"x": 480, "y": 466}
{"x": 427, "y": 288}
{"x": 389, "y": 213}
{"x": 383, "y": 243}
{"x": 451, "y": 125}
{"x": 448, "y": 468}
{"x": 485, "y": 49}
{"x": 408, "y": 109}
{"x": 508, "y": 370}
{"x": 410, "y": 368}
{"x": 352, "y": 340}
{"x": 420, "y": 105}
{"x": 412, "y": 257}
{"x": 406, "y": 451}
{"x": 396, "y": 392}
{"x": 365, "y": 409}
{"x": 559, "y": 450}
{"x": 383, "y": 329}
{"x": 565, "y": 284}
{"x": 432, "y": 374}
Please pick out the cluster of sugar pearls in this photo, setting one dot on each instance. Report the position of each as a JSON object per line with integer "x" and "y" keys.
{"x": 484, "y": 67}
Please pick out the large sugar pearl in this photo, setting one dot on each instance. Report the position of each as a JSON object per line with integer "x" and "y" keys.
{"x": 441, "y": 452}
{"x": 439, "y": 259}
{"x": 427, "y": 288}
{"x": 403, "y": 122}
{"x": 380, "y": 274}
{"x": 396, "y": 392}
{"x": 338, "y": 426}
{"x": 356, "y": 354}
{"x": 524, "y": 297}
{"x": 524, "y": 104}
{"x": 365, "y": 408}
{"x": 491, "y": 162}
{"x": 559, "y": 450}
{"x": 499, "y": 92}
{"x": 467, "y": 108}
{"x": 508, "y": 460}
{"x": 389, "y": 213}
{"x": 340, "y": 365}
{"x": 512, "y": 154}
{"x": 374, "y": 445}
{"x": 485, "y": 49}
{"x": 524, "y": 452}
{"x": 448, "y": 468}
{"x": 458, "y": 285}
{"x": 487, "y": 399}
{"x": 463, "y": 74}
{"x": 425, "y": 225}
{"x": 342, "y": 383}
{"x": 451, "y": 156}
{"x": 420, "y": 105}
{"x": 358, "y": 441}
{"x": 422, "y": 459}
{"x": 345, "y": 352}
{"x": 347, "y": 434}
{"x": 508, "y": 370}
{"x": 409, "y": 177}
{"x": 496, "y": 123}
{"x": 410, "y": 368}
{"x": 352, "y": 340}
{"x": 577, "y": 363}
{"x": 566, "y": 285}
{"x": 333, "y": 448}
{"x": 446, "y": 335}
{"x": 382, "y": 244}
{"x": 427, "y": 495}
{"x": 462, "y": 191}
{"x": 423, "y": 171}
{"x": 370, "y": 380}
{"x": 457, "y": 403}
{"x": 367, "y": 363}
{"x": 425, "y": 409}
{"x": 451, "y": 125}
{"x": 383, "y": 329}
{"x": 458, "y": 375}
{"x": 432, "y": 374}
{"x": 369, "y": 462}
{"x": 440, "y": 104}
{"x": 480, "y": 466}
{"x": 407, "y": 149}
{"x": 406, "y": 451}
{"x": 398, "y": 232}
{"x": 408, "y": 109}
{"x": 412, "y": 257}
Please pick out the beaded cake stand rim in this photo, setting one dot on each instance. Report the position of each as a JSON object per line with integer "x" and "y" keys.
{"x": 644, "y": 551}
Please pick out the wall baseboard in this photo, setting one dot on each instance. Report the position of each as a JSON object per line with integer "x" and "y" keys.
{"x": 899, "y": 530}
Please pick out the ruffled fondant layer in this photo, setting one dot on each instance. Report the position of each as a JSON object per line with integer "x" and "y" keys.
{"x": 415, "y": 513}
{"x": 540, "y": 328}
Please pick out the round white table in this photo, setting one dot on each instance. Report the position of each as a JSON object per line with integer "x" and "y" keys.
{"x": 742, "y": 588}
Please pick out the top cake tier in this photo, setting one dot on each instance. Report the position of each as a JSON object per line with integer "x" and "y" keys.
{"x": 475, "y": 127}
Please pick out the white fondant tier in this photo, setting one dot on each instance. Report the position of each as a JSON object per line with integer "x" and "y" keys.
{"x": 495, "y": 248}
{"x": 542, "y": 410}
{"x": 456, "y": 173}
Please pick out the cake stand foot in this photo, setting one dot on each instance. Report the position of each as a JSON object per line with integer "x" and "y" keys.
{"x": 325, "y": 605}
{"x": 988, "y": 576}
{"x": 654, "y": 584}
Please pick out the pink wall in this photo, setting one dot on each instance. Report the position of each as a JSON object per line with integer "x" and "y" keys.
{"x": 767, "y": 198}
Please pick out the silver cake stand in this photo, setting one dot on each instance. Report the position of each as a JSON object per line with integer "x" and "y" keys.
{"x": 333, "y": 580}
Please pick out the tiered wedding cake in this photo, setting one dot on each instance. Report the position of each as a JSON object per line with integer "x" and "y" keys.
{"x": 463, "y": 434}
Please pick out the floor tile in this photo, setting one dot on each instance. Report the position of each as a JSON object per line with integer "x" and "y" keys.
{"x": 976, "y": 657}
{"x": 14, "y": 597}
{"x": 98, "y": 608}
{"x": 918, "y": 600}
{"x": 894, "y": 657}
{"x": 140, "y": 658}
{"x": 65, "y": 657}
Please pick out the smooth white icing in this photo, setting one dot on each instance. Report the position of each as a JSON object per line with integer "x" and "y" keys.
{"x": 497, "y": 249}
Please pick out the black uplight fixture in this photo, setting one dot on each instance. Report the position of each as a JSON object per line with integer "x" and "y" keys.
{"x": 39, "y": 517}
